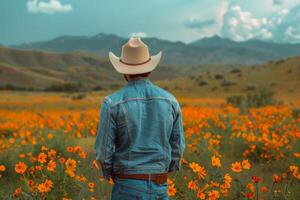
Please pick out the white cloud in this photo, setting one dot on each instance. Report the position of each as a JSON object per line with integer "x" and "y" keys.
{"x": 232, "y": 21}
{"x": 241, "y": 25}
{"x": 199, "y": 23}
{"x": 49, "y": 7}
{"x": 286, "y": 27}
{"x": 138, "y": 34}
{"x": 208, "y": 27}
{"x": 222, "y": 11}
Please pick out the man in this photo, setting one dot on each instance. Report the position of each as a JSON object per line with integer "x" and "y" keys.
{"x": 140, "y": 137}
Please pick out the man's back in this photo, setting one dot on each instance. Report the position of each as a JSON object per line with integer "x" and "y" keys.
{"x": 143, "y": 132}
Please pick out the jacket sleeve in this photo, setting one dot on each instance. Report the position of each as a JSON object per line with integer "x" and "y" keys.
{"x": 177, "y": 141}
{"x": 105, "y": 140}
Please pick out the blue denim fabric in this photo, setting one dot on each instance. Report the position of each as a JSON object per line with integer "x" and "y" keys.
{"x": 133, "y": 189}
{"x": 140, "y": 130}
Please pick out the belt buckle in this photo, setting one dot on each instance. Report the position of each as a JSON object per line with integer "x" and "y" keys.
{"x": 160, "y": 179}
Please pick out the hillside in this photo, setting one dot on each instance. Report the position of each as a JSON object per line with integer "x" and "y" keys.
{"x": 282, "y": 77}
{"x": 214, "y": 50}
{"x": 39, "y": 70}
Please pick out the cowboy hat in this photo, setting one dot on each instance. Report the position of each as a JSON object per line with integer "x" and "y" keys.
{"x": 135, "y": 58}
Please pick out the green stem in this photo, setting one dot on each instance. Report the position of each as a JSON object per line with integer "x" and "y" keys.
{"x": 256, "y": 187}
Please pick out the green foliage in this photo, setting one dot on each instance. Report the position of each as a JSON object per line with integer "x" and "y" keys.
{"x": 263, "y": 97}
{"x": 296, "y": 112}
{"x": 79, "y": 96}
{"x": 16, "y": 87}
{"x": 65, "y": 87}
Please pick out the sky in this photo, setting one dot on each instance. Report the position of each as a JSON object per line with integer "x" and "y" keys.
{"x": 24, "y": 21}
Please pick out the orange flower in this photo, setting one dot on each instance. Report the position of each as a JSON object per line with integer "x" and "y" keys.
{"x": 39, "y": 167}
{"x": 95, "y": 163}
{"x": 50, "y": 136}
{"x": 70, "y": 149}
{"x": 215, "y": 161}
{"x": 83, "y": 179}
{"x": 2, "y": 168}
{"x": 51, "y": 166}
{"x": 11, "y": 140}
{"x": 48, "y": 184}
{"x": 45, "y": 187}
{"x": 77, "y": 149}
{"x": 297, "y": 155}
{"x": 194, "y": 166}
{"x": 42, "y": 158}
{"x": 264, "y": 189}
{"x": 200, "y": 195}
{"x": 171, "y": 190}
{"x": 91, "y": 185}
{"x": 246, "y": 164}
{"x": 62, "y": 160}
{"x": 227, "y": 178}
{"x": 214, "y": 184}
{"x": 44, "y": 148}
{"x": 41, "y": 187}
{"x": 199, "y": 169}
{"x": 276, "y": 178}
{"x": 111, "y": 181}
{"x": 101, "y": 178}
{"x": 250, "y": 187}
{"x": 30, "y": 182}
{"x": 20, "y": 167}
{"x": 82, "y": 154}
{"x": 201, "y": 173}
{"x": 214, "y": 194}
{"x": 51, "y": 154}
{"x": 70, "y": 172}
{"x": 192, "y": 185}
{"x": 21, "y": 155}
{"x": 70, "y": 164}
{"x": 17, "y": 192}
{"x": 236, "y": 167}
{"x": 293, "y": 168}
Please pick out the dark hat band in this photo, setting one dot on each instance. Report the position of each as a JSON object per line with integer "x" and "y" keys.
{"x": 135, "y": 63}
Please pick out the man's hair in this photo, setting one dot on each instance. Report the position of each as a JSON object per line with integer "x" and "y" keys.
{"x": 138, "y": 75}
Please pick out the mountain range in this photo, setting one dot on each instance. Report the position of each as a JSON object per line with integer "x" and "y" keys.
{"x": 213, "y": 50}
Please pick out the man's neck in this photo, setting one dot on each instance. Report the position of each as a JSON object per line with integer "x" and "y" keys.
{"x": 138, "y": 80}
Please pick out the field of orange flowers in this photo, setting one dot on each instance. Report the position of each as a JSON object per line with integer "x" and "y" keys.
{"x": 46, "y": 150}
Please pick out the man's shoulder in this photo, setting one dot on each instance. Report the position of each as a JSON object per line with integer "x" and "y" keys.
{"x": 123, "y": 93}
{"x": 163, "y": 92}
{"x": 115, "y": 96}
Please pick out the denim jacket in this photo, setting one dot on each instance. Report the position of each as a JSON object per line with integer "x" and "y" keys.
{"x": 140, "y": 131}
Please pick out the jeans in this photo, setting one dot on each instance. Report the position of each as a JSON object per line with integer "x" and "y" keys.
{"x": 135, "y": 189}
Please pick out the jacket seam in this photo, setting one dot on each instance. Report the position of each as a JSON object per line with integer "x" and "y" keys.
{"x": 127, "y": 130}
{"x": 149, "y": 98}
{"x": 107, "y": 130}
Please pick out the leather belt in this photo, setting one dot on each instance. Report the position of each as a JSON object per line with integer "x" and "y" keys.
{"x": 158, "y": 178}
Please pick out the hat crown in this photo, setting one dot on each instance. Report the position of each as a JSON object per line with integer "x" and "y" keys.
{"x": 135, "y": 51}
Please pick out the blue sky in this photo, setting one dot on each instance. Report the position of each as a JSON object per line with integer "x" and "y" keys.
{"x": 175, "y": 20}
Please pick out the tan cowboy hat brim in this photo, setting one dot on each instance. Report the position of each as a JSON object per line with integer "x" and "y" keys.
{"x": 134, "y": 69}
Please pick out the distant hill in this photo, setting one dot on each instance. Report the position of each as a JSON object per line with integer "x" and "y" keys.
{"x": 278, "y": 50}
{"x": 43, "y": 70}
{"x": 214, "y": 50}
{"x": 39, "y": 70}
{"x": 281, "y": 77}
